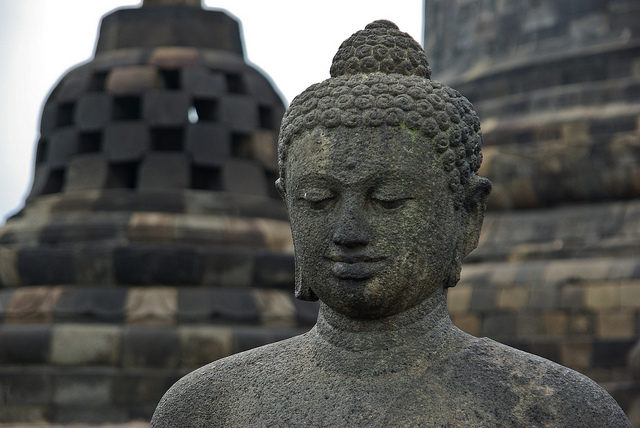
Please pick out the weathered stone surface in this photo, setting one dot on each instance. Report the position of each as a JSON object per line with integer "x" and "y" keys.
{"x": 384, "y": 205}
{"x": 265, "y": 389}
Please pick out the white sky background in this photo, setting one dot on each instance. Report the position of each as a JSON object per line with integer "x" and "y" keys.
{"x": 292, "y": 41}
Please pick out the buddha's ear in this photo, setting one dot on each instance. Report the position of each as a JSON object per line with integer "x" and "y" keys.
{"x": 280, "y": 188}
{"x": 474, "y": 205}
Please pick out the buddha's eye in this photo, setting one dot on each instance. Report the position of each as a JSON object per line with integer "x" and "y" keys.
{"x": 317, "y": 199}
{"x": 390, "y": 203}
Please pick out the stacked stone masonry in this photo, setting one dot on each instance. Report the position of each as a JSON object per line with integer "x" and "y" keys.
{"x": 167, "y": 118}
{"x": 153, "y": 240}
{"x": 85, "y": 353}
{"x": 557, "y": 88}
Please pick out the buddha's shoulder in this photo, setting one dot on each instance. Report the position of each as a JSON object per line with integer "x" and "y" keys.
{"x": 205, "y": 393}
{"x": 540, "y": 389}
{"x": 489, "y": 357}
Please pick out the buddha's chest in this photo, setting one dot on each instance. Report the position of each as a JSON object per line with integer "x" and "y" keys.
{"x": 336, "y": 400}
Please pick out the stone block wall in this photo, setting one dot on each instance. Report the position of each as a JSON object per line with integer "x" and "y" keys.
{"x": 92, "y": 354}
{"x": 556, "y": 85}
{"x": 465, "y": 38}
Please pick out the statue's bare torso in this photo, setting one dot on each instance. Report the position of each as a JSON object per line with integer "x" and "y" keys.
{"x": 453, "y": 380}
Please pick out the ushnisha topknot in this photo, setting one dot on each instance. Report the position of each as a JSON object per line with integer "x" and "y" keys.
{"x": 382, "y": 47}
{"x": 371, "y": 87}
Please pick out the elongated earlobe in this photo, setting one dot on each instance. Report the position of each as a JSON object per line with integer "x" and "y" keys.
{"x": 478, "y": 193}
{"x": 454, "y": 269}
{"x": 475, "y": 205}
{"x": 280, "y": 188}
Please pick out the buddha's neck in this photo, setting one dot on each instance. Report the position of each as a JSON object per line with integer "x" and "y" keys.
{"x": 426, "y": 324}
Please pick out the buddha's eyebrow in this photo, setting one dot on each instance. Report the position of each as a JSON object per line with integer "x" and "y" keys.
{"x": 314, "y": 178}
{"x": 395, "y": 178}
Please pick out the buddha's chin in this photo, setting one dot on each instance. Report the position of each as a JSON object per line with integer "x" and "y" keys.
{"x": 365, "y": 300}
{"x": 358, "y": 304}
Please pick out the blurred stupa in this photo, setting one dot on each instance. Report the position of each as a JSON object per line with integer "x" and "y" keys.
{"x": 153, "y": 240}
{"x": 557, "y": 88}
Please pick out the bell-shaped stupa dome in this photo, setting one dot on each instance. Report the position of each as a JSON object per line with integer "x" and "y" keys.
{"x": 153, "y": 240}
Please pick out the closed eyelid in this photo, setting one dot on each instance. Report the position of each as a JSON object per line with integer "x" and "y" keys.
{"x": 391, "y": 203}
{"x": 315, "y": 194}
{"x": 395, "y": 187}
{"x": 391, "y": 193}
{"x": 391, "y": 197}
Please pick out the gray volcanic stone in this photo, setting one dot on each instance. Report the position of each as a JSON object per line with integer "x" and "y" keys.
{"x": 332, "y": 377}
{"x": 378, "y": 169}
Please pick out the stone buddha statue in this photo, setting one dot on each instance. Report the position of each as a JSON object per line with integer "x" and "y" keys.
{"x": 378, "y": 170}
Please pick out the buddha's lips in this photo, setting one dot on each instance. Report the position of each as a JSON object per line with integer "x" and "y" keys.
{"x": 349, "y": 259}
{"x": 355, "y": 268}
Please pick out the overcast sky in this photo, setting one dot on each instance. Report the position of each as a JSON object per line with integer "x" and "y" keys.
{"x": 292, "y": 41}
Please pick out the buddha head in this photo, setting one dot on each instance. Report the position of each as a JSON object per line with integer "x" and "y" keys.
{"x": 378, "y": 169}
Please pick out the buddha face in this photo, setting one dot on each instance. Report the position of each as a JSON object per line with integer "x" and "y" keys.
{"x": 373, "y": 221}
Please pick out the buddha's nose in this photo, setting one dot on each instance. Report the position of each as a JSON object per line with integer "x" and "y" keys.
{"x": 351, "y": 229}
